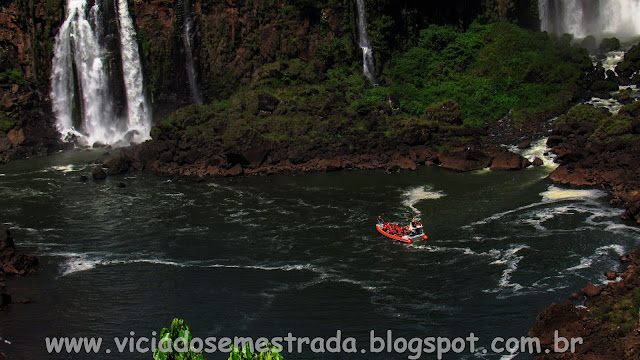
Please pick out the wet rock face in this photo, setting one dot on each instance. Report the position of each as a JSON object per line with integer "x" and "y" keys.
{"x": 13, "y": 262}
{"x": 26, "y": 127}
{"x": 604, "y": 331}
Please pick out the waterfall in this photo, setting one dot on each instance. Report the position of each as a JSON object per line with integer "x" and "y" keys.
{"x": 81, "y": 93}
{"x": 368, "y": 64}
{"x": 139, "y": 117}
{"x": 600, "y": 18}
{"x": 187, "y": 35}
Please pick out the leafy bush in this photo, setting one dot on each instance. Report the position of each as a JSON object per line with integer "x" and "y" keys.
{"x": 180, "y": 330}
{"x": 488, "y": 70}
{"x": 177, "y": 330}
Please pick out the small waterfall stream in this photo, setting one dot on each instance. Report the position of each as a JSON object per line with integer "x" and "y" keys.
{"x": 187, "y": 35}
{"x": 82, "y": 86}
{"x": 363, "y": 38}
{"x": 600, "y": 18}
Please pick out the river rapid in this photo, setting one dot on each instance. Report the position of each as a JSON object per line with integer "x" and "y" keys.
{"x": 265, "y": 256}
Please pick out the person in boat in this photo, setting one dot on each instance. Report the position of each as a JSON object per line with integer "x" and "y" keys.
{"x": 380, "y": 221}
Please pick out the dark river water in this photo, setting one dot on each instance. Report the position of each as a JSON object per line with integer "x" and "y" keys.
{"x": 265, "y": 256}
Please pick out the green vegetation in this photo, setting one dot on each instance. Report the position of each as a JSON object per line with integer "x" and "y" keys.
{"x": 620, "y": 317}
{"x": 6, "y": 124}
{"x": 168, "y": 337}
{"x": 182, "y": 333}
{"x": 12, "y": 76}
{"x": 599, "y": 124}
{"x": 449, "y": 79}
{"x": 488, "y": 70}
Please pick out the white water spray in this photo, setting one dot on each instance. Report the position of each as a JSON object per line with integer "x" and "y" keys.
{"x": 139, "y": 119}
{"x": 599, "y": 18}
{"x": 363, "y": 38}
{"x": 78, "y": 52}
{"x": 80, "y": 82}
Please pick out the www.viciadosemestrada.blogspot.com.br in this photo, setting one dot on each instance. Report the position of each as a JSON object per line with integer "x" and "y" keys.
{"x": 413, "y": 348}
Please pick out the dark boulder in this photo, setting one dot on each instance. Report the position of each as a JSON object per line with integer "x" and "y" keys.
{"x": 464, "y": 160}
{"x": 537, "y": 162}
{"x": 504, "y": 159}
{"x": 609, "y": 44}
{"x": 591, "y": 290}
{"x": 13, "y": 262}
{"x": 99, "y": 174}
{"x": 611, "y": 275}
{"x": 117, "y": 165}
{"x": 524, "y": 144}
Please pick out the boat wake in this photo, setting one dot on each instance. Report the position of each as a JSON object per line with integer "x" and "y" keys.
{"x": 416, "y": 194}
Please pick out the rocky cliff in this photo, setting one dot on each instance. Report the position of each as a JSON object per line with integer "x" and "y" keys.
{"x": 26, "y": 38}
{"x": 12, "y": 262}
{"x": 237, "y": 43}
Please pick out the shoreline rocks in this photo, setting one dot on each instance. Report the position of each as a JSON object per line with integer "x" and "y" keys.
{"x": 12, "y": 262}
{"x": 590, "y": 158}
{"x": 606, "y": 323}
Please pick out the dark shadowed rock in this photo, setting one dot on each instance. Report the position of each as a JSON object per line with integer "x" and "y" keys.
{"x": 401, "y": 163}
{"x": 117, "y": 165}
{"x": 122, "y": 185}
{"x": 504, "y": 159}
{"x": 537, "y": 162}
{"x": 611, "y": 275}
{"x": 13, "y": 262}
{"x": 99, "y": 174}
{"x": 464, "y": 160}
{"x": 83, "y": 178}
{"x": 591, "y": 290}
{"x": 236, "y": 170}
{"x": 524, "y": 144}
{"x": 329, "y": 165}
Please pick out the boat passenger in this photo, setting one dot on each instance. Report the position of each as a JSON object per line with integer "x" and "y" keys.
{"x": 380, "y": 220}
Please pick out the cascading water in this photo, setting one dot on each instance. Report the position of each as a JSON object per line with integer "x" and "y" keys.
{"x": 79, "y": 78}
{"x": 139, "y": 119}
{"x": 81, "y": 85}
{"x": 600, "y": 18}
{"x": 367, "y": 52}
{"x": 187, "y": 34}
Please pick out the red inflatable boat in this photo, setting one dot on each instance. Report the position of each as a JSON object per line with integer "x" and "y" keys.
{"x": 405, "y": 234}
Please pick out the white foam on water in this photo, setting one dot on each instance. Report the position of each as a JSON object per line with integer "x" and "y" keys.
{"x": 79, "y": 262}
{"x": 612, "y": 104}
{"x": 555, "y": 193}
{"x": 416, "y": 194}
{"x": 585, "y": 263}
{"x": 63, "y": 168}
{"x": 601, "y": 252}
{"x": 538, "y": 149}
{"x": 612, "y": 60}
